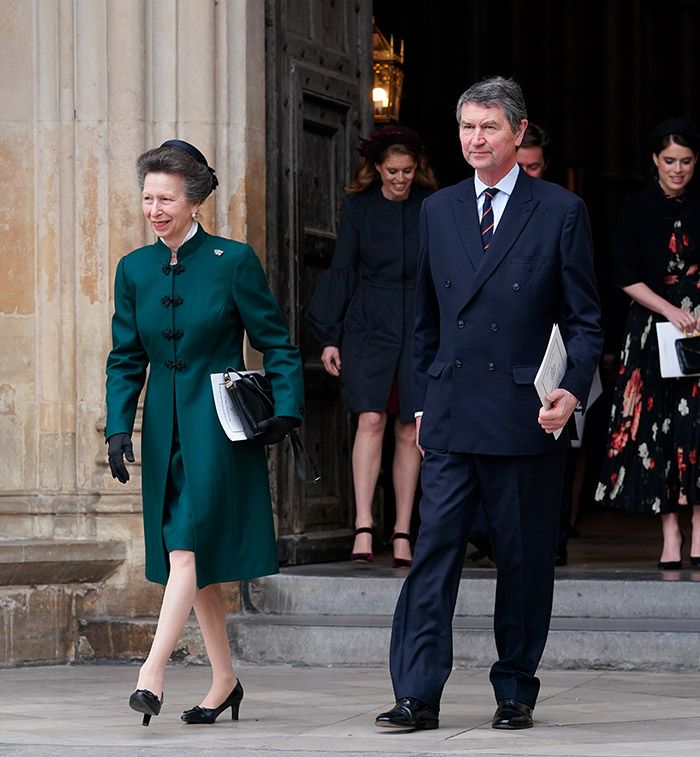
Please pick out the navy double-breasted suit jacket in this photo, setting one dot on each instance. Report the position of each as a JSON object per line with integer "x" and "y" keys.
{"x": 483, "y": 320}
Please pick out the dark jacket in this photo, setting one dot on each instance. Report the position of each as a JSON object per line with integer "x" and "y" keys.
{"x": 365, "y": 302}
{"x": 484, "y": 319}
{"x": 646, "y": 224}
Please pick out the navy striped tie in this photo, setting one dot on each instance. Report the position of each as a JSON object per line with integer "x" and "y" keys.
{"x": 487, "y": 217}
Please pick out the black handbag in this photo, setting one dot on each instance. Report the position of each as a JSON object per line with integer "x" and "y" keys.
{"x": 251, "y": 394}
{"x": 688, "y": 351}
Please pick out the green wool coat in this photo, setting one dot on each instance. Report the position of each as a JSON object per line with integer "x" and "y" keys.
{"x": 182, "y": 324}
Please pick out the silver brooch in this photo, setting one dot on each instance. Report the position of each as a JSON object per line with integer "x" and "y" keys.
{"x": 218, "y": 252}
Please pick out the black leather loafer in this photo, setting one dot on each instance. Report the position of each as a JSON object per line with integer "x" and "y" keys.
{"x": 511, "y": 715}
{"x": 409, "y": 713}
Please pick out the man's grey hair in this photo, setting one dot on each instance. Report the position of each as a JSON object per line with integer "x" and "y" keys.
{"x": 497, "y": 91}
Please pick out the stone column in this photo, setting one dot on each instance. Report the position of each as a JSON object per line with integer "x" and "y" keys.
{"x": 87, "y": 86}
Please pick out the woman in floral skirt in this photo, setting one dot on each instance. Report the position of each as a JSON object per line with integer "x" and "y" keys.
{"x": 654, "y": 434}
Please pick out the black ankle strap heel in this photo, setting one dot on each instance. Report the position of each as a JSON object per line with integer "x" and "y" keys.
{"x": 399, "y": 562}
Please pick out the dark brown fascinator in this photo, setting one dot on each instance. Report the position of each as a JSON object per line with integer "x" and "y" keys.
{"x": 380, "y": 139}
{"x": 192, "y": 151}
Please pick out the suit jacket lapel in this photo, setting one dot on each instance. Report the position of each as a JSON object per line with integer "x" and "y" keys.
{"x": 467, "y": 223}
{"x": 516, "y": 214}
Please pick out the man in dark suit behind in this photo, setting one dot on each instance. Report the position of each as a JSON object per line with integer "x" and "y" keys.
{"x": 503, "y": 258}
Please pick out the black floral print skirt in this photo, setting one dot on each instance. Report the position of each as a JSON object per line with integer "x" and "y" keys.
{"x": 652, "y": 456}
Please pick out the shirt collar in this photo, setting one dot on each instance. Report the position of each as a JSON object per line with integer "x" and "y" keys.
{"x": 193, "y": 230}
{"x": 505, "y": 185}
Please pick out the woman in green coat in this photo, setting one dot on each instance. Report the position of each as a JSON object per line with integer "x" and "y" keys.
{"x": 181, "y": 307}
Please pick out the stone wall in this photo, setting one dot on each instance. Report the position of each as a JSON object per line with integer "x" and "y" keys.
{"x": 87, "y": 85}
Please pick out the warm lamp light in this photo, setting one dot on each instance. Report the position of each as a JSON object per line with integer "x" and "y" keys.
{"x": 380, "y": 97}
{"x": 388, "y": 78}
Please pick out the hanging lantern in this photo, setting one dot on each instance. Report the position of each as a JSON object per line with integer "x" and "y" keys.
{"x": 388, "y": 78}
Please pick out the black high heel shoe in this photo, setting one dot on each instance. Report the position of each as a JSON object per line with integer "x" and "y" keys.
{"x": 208, "y": 715}
{"x": 400, "y": 562}
{"x": 145, "y": 701}
{"x": 362, "y": 556}
{"x": 674, "y": 564}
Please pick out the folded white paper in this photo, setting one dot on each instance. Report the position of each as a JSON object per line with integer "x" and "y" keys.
{"x": 666, "y": 334}
{"x": 551, "y": 370}
{"x": 225, "y": 409}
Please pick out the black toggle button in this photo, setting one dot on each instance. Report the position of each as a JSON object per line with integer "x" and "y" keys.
{"x": 458, "y": 363}
{"x": 174, "y": 365}
{"x": 167, "y": 300}
{"x": 492, "y": 367}
{"x": 494, "y": 327}
{"x": 460, "y": 324}
{"x": 170, "y": 334}
{"x": 176, "y": 269}
{"x": 516, "y": 287}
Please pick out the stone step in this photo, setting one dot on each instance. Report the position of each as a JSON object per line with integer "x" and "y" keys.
{"x": 357, "y": 640}
{"x": 588, "y": 595}
{"x": 116, "y": 639}
{"x": 29, "y": 562}
{"x": 42, "y": 581}
{"x": 631, "y": 620}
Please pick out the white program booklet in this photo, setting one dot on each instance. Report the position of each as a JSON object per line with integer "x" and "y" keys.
{"x": 666, "y": 335}
{"x": 551, "y": 370}
{"x": 228, "y": 417}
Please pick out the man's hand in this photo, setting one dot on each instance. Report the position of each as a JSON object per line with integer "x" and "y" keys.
{"x": 119, "y": 445}
{"x": 563, "y": 405}
{"x": 330, "y": 357}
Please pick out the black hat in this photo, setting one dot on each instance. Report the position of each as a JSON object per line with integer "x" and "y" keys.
{"x": 191, "y": 150}
{"x": 670, "y": 126}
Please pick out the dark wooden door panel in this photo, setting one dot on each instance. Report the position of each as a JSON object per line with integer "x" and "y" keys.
{"x": 319, "y": 66}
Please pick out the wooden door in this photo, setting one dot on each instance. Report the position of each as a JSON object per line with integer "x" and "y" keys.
{"x": 318, "y": 104}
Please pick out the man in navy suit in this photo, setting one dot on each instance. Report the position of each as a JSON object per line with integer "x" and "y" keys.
{"x": 503, "y": 258}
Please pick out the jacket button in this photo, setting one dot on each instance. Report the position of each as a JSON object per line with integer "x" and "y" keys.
{"x": 460, "y": 324}
{"x": 448, "y": 284}
{"x": 494, "y": 327}
{"x": 492, "y": 367}
{"x": 458, "y": 363}
{"x": 516, "y": 287}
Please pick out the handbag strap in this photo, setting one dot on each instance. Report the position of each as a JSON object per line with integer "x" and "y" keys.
{"x": 302, "y": 458}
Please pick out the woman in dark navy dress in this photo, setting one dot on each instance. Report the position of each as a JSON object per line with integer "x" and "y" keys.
{"x": 652, "y": 458}
{"x": 363, "y": 312}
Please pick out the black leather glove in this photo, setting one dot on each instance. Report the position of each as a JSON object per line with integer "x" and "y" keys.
{"x": 119, "y": 446}
{"x": 275, "y": 429}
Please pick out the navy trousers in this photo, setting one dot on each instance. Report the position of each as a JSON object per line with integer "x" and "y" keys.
{"x": 521, "y": 497}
